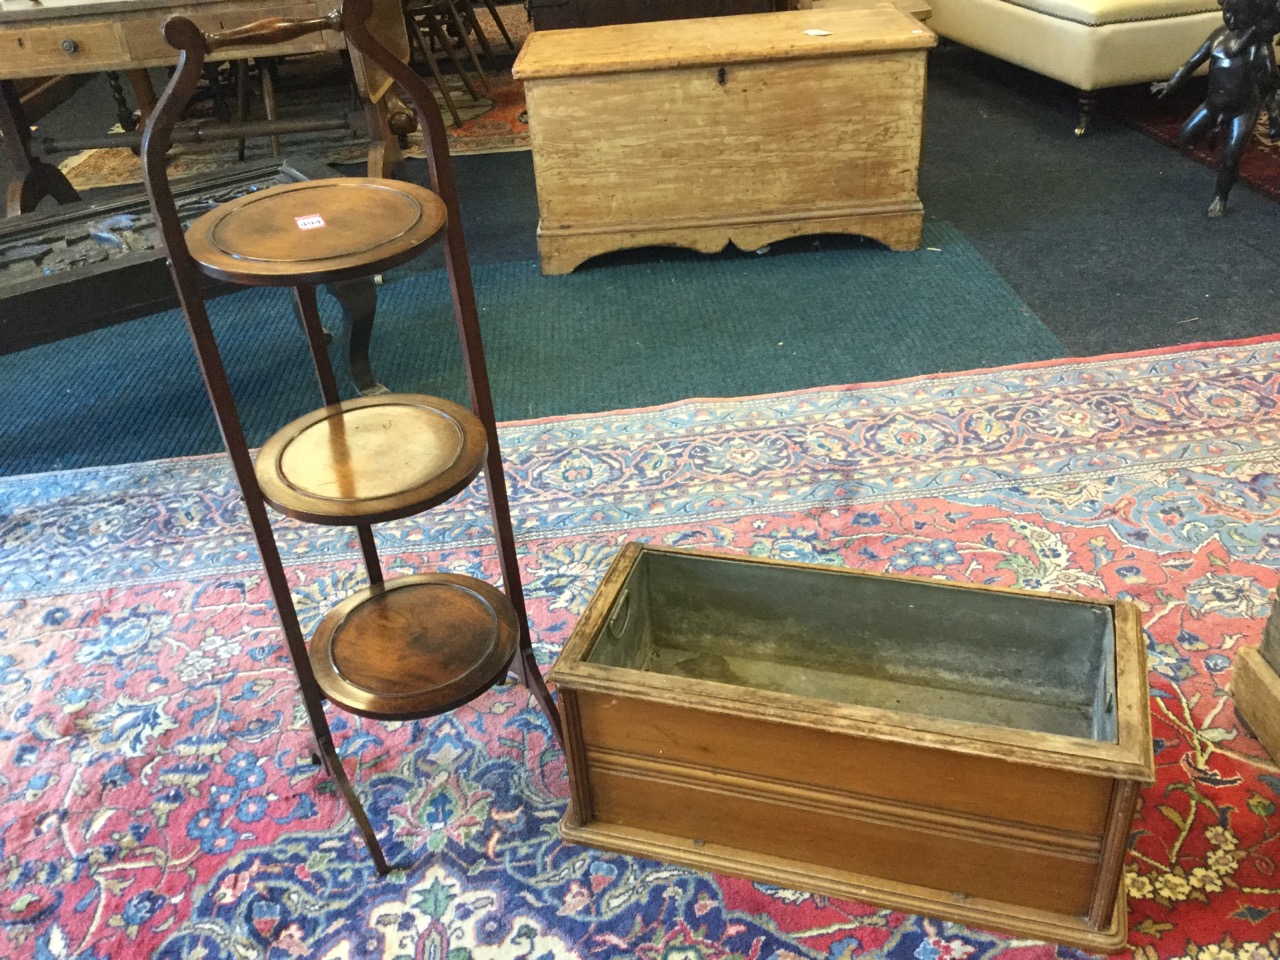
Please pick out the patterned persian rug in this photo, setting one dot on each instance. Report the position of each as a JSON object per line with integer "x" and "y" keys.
{"x": 157, "y": 795}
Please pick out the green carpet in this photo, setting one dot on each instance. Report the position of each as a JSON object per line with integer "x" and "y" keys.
{"x": 627, "y": 330}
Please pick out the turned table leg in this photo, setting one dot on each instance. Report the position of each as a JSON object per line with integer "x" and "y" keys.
{"x": 143, "y": 92}
{"x": 359, "y": 301}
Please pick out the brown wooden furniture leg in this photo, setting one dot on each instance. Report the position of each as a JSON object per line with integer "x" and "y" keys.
{"x": 268, "y": 72}
{"x": 423, "y": 42}
{"x": 124, "y": 112}
{"x": 359, "y": 301}
{"x": 502, "y": 27}
{"x": 463, "y": 31}
{"x": 33, "y": 179}
{"x": 467, "y": 12}
{"x": 328, "y": 755}
{"x": 1255, "y": 689}
{"x": 242, "y": 102}
{"x": 243, "y": 84}
{"x": 384, "y": 146}
{"x": 437, "y": 16}
{"x": 143, "y": 92}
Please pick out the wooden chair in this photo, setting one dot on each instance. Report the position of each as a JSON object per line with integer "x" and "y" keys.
{"x": 414, "y": 646}
{"x": 467, "y": 11}
{"x": 497, "y": 20}
{"x": 433, "y": 26}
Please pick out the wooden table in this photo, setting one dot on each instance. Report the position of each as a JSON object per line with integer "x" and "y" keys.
{"x": 54, "y": 37}
{"x": 743, "y": 130}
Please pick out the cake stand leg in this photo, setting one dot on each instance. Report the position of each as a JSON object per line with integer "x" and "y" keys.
{"x": 333, "y": 764}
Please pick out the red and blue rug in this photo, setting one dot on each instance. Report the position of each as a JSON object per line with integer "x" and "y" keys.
{"x": 156, "y": 793}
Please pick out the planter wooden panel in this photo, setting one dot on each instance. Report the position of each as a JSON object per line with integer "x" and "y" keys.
{"x": 972, "y": 753}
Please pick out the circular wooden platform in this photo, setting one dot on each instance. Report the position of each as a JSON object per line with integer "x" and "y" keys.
{"x": 317, "y": 231}
{"x": 414, "y": 646}
{"x": 371, "y": 459}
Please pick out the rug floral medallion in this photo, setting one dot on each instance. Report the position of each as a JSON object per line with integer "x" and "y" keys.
{"x": 157, "y": 794}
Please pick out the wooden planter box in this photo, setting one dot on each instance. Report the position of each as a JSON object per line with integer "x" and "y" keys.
{"x": 970, "y": 753}
{"x": 745, "y": 130}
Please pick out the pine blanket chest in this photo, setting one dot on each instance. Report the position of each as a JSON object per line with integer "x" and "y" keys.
{"x": 744, "y": 129}
{"x": 966, "y": 752}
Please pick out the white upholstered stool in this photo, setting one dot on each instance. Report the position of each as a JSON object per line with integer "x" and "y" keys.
{"x": 1089, "y": 44}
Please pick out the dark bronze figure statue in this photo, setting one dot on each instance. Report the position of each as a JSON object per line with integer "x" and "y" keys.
{"x": 1242, "y": 78}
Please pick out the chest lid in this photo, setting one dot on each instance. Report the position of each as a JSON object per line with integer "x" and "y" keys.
{"x": 717, "y": 41}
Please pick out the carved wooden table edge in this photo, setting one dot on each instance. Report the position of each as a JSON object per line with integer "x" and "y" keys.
{"x": 40, "y": 303}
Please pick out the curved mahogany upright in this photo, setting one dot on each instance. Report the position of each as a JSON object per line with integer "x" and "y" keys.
{"x": 417, "y": 645}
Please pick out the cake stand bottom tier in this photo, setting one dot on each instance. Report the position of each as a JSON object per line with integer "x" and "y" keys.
{"x": 415, "y": 646}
